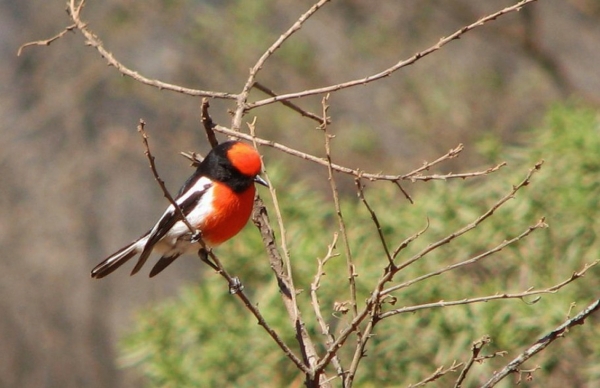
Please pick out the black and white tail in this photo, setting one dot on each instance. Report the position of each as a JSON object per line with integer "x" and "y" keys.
{"x": 118, "y": 258}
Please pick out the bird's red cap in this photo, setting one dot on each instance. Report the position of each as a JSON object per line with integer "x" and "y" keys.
{"x": 244, "y": 158}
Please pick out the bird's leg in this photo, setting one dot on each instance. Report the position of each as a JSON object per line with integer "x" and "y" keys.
{"x": 203, "y": 255}
{"x": 235, "y": 285}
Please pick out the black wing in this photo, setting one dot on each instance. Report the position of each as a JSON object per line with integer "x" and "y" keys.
{"x": 187, "y": 201}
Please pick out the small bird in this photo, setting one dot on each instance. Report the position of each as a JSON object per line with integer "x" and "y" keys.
{"x": 217, "y": 200}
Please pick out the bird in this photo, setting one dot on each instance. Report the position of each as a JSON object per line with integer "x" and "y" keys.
{"x": 217, "y": 200}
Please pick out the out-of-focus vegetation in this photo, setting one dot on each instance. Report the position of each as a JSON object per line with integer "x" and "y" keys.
{"x": 205, "y": 337}
{"x": 75, "y": 186}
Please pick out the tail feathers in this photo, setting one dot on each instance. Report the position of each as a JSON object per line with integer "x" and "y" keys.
{"x": 143, "y": 257}
{"x": 115, "y": 260}
{"x": 163, "y": 263}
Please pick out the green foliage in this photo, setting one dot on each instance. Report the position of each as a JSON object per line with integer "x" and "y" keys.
{"x": 207, "y": 338}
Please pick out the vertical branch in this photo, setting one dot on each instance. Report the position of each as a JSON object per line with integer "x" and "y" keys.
{"x": 360, "y": 338}
{"x": 314, "y": 287}
{"x": 475, "y": 350}
{"x": 338, "y": 211}
{"x": 285, "y": 281}
{"x": 282, "y": 233}
{"x": 208, "y": 123}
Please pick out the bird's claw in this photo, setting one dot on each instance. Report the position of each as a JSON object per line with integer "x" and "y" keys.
{"x": 235, "y": 285}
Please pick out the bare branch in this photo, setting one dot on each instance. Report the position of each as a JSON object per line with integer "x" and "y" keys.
{"x": 292, "y": 106}
{"x": 361, "y": 195}
{"x": 443, "y": 177}
{"x": 542, "y": 343}
{"x": 46, "y": 42}
{"x": 314, "y": 287}
{"x": 474, "y": 224}
{"x": 519, "y": 295}
{"x": 409, "y": 240}
{"x": 451, "y": 154}
{"x": 475, "y": 350}
{"x": 540, "y": 224}
{"x": 161, "y": 183}
{"x": 437, "y": 374}
{"x": 260, "y": 319}
{"x": 92, "y": 40}
{"x": 338, "y": 210}
{"x": 411, "y": 176}
{"x": 208, "y": 124}
{"x": 442, "y": 42}
{"x": 242, "y": 98}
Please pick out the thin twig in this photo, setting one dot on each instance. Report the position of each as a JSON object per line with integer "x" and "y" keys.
{"x": 385, "y": 73}
{"x": 443, "y": 177}
{"x": 292, "y": 106}
{"x": 338, "y": 210}
{"x": 476, "y": 348}
{"x": 285, "y": 279}
{"x": 375, "y": 219}
{"x": 451, "y": 154}
{"x": 406, "y": 195}
{"x": 314, "y": 287}
{"x": 283, "y": 237}
{"x": 440, "y": 372}
{"x": 46, "y": 42}
{"x": 542, "y": 343}
{"x": 351, "y": 268}
{"x": 404, "y": 244}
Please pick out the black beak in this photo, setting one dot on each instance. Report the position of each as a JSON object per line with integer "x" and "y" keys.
{"x": 258, "y": 179}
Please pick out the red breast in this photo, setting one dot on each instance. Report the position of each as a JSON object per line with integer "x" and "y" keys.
{"x": 231, "y": 212}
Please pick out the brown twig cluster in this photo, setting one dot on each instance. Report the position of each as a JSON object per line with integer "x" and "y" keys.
{"x": 364, "y": 316}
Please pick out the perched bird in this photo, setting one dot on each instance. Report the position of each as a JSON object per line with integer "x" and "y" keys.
{"x": 217, "y": 200}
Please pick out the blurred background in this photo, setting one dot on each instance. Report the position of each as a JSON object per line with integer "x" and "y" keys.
{"x": 75, "y": 185}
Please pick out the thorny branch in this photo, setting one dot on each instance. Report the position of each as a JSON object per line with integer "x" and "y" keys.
{"x": 46, "y": 42}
